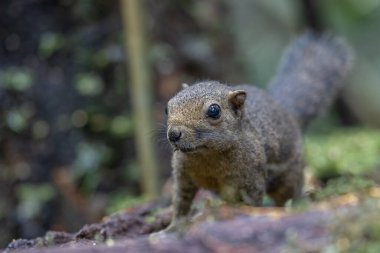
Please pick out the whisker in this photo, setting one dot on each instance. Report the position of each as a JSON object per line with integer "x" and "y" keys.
{"x": 208, "y": 134}
{"x": 163, "y": 144}
{"x": 159, "y": 132}
{"x": 159, "y": 136}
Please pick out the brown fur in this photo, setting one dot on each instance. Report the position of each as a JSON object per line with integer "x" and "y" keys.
{"x": 256, "y": 145}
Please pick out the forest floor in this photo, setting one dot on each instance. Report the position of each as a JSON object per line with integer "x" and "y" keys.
{"x": 339, "y": 223}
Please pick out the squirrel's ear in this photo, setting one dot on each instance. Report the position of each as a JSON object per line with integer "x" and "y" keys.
{"x": 184, "y": 85}
{"x": 237, "y": 98}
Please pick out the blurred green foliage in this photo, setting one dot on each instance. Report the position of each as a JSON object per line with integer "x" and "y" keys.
{"x": 89, "y": 84}
{"x": 32, "y": 198}
{"x": 16, "y": 120}
{"x": 50, "y": 43}
{"x": 67, "y": 132}
{"x": 17, "y": 79}
{"x": 90, "y": 158}
{"x": 121, "y": 126}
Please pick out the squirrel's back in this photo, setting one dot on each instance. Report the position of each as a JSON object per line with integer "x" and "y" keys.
{"x": 310, "y": 75}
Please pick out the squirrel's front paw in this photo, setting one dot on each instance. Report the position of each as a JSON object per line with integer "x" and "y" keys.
{"x": 169, "y": 232}
{"x": 158, "y": 236}
{"x": 175, "y": 229}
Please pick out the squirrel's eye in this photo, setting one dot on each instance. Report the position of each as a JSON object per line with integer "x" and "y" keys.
{"x": 166, "y": 110}
{"x": 213, "y": 111}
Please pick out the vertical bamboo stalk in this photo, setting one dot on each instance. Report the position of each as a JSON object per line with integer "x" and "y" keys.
{"x": 141, "y": 92}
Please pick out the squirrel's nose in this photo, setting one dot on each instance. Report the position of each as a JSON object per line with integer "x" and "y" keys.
{"x": 174, "y": 135}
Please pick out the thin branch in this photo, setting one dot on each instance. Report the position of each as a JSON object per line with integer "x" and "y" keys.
{"x": 141, "y": 92}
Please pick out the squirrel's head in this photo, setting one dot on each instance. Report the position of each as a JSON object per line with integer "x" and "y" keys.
{"x": 203, "y": 116}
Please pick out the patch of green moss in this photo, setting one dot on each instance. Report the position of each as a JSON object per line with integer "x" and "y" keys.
{"x": 344, "y": 185}
{"x": 121, "y": 201}
{"x": 344, "y": 151}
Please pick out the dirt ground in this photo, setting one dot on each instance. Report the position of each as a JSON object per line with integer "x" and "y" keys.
{"x": 221, "y": 228}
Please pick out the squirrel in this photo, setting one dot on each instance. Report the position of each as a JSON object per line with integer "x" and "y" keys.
{"x": 243, "y": 141}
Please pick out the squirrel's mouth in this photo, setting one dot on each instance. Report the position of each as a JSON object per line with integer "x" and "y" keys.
{"x": 190, "y": 149}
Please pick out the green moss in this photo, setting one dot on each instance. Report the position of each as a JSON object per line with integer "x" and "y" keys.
{"x": 151, "y": 219}
{"x": 121, "y": 200}
{"x": 344, "y": 151}
{"x": 343, "y": 185}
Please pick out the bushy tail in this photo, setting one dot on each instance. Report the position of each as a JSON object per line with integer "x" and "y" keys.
{"x": 311, "y": 73}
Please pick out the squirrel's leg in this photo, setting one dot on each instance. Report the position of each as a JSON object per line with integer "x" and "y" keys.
{"x": 247, "y": 189}
{"x": 183, "y": 195}
{"x": 253, "y": 192}
{"x": 287, "y": 182}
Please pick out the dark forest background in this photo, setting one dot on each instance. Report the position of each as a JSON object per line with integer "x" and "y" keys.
{"x": 67, "y": 152}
